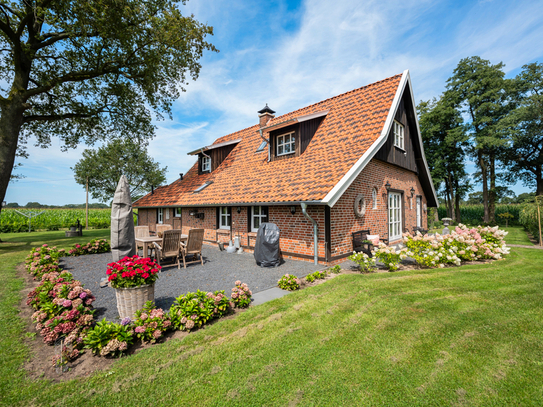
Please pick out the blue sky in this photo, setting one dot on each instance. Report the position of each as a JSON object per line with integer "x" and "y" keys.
{"x": 293, "y": 53}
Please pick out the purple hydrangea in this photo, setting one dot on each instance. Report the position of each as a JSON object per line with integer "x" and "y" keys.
{"x": 83, "y": 295}
{"x": 125, "y": 321}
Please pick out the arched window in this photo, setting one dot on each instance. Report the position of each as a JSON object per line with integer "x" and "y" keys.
{"x": 374, "y": 198}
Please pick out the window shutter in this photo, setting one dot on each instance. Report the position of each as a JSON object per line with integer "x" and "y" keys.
{"x": 218, "y": 217}
{"x": 249, "y": 219}
{"x": 265, "y": 212}
{"x": 156, "y": 215}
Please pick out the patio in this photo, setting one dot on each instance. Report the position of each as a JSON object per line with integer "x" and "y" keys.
{"x": 220, "y": 272}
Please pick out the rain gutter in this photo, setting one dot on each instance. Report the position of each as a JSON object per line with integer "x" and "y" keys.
{"x": 315, "y": 247}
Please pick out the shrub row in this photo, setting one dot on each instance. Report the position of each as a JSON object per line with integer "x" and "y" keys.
{"x": 529, "y": 219}
{"x": 462, "y": 244}
{"x": 473, "y": 214}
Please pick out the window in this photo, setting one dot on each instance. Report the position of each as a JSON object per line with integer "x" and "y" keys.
{"x": 261, "y": 147}
{"x": 204, "y": 185}
{"x": 224, "y": 218}
{"x": 394, "y": 216}
{"x": 259, "y": 215}
{"x": 398, "y": 135}
{"x": 160, "y": 216}
{"x": 374, "y": 198}
{"x": 206, "y": 164}
{"x": 177, "y": 212}
{"x": 286, "y": 144}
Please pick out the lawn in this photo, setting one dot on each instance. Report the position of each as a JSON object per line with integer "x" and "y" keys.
{"x": 471, "y": 335}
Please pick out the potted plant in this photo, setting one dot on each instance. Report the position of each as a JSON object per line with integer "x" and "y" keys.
{"x": 133, "y": 279}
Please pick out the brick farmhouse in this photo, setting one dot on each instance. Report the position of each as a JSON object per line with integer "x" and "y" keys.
{"x": 352, "y": 162}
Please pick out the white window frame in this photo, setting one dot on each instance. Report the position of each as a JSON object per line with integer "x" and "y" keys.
{"x": 177, "y": 212}
{"x": 206, "y": 163}
{"x": 399, "y": 135}
{"x": 281, "y": 143}
{"x": 262, "y": 217}
{"x": 224, "y": 218}
{"x": 160, "y": 219}
{"x": 419, "y": 211}
{"x": 374, "y": 198}
{"x": 394, "y": 216}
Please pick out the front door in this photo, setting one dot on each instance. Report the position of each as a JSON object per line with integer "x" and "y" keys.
{"x": 419, "y": 212}
{"x": 394, "y": 216}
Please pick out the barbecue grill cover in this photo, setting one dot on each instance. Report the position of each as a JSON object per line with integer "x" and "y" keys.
{"x": 267, "y": 245}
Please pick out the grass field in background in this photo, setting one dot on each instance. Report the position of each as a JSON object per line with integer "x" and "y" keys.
{"x": 470, "y": 335}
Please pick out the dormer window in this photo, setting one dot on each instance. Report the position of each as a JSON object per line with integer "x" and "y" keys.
{"x": 286, "y": 144}
{"x": 398, "y": 135}
{"x": 206, "y": 164}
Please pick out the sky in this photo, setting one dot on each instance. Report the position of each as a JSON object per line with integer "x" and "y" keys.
{"x": 290, "y": 54}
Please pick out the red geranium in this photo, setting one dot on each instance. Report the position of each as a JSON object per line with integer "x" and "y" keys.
{"x": 132, "y": 272}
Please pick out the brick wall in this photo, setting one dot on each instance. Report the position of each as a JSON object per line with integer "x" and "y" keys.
{"x": 297, "y": 231}
{"x": 375, "y": 175}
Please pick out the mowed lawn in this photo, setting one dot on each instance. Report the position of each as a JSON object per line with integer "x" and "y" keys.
{"x": 471, "y": 335}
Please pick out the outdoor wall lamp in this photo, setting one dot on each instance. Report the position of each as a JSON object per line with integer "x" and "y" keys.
{"x": 412, "y": 192}
{"x": 387, "y": 186}
{"x": 239, "y": 209}
{"x": 292, "y": 210}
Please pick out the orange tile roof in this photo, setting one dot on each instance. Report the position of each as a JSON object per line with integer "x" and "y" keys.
{"x": 354, "y": 122}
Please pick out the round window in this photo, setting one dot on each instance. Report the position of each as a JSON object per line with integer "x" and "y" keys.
{"x": 360, "y": 206}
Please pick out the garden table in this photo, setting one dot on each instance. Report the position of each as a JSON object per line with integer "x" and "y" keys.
{"x": 148, "y": 240}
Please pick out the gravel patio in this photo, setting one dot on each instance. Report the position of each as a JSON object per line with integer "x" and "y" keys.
{"x": 219, "y": 272}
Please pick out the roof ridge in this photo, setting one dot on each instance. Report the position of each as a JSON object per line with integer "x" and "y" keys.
{"x": 312, "y": 104}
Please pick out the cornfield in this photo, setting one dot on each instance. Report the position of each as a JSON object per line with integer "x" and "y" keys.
{"x": 473, "y": 214}
{"x": 53, "y": 219}
{"x": 529, "y": 219}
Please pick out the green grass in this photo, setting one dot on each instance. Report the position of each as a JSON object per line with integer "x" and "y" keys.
{"x": 517, "y": 235}
{"x": 459, "y": 336}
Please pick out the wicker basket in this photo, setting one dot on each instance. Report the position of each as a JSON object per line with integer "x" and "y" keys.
{"x": 129, "y": 300}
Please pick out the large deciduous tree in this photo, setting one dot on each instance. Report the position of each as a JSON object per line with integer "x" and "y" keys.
{"x": 90, "y": 70}
{"x": 102, "y": 168}
{"x": 445, "y": 141}
{"x": 481, "y": 91}
{"x": 523, "y": 156}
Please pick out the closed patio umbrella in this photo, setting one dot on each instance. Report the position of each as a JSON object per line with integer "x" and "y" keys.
{"x": 123, "y": 241}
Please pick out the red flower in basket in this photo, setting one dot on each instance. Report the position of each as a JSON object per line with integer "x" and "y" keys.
{"x": 132, "y": 272}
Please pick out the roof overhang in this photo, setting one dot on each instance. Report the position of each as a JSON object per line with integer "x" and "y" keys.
{"x": 289, "y": 203}
{"x": 335, "y": 193}
{"x": 214, "y": 146}
{"x": 295, "y": 120}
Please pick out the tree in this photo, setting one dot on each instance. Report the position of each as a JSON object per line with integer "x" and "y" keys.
{"x": 103, "y": 169}
{"x": 444, "y": 142}
{"x": 90, "y": 70}
{"x": 483, "y": 94}
{"x": 523, "y": 156}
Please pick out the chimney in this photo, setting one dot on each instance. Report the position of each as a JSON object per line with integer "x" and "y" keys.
{"x": 181, "y": 176}
{"x": 265, "y": 115}
{"x": 152, "y": 189}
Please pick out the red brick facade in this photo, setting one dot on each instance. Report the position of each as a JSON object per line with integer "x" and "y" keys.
{"x": 297, "y": 231}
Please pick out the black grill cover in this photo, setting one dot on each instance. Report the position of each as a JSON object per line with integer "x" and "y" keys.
{"x": 267, "y": 245}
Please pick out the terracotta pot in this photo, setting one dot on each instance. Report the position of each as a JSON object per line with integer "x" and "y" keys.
{"x": 129, "y": 300}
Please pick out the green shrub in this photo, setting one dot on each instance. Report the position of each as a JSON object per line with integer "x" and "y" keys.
{"x": 193, "y": 310}
{"x": 390, "y": 257}
{"x": 529, "y": 219}
{"x": 93, "y": 247}
{"x": 241, "y": 295}
{"x": 317, "y": 275}
{"x": 109, "y": 338}
{"x": 289, "y": 282}
{"x": 151, "y": 323}
{"x": 365, "y": 262}
{"x": 335, "y": 269}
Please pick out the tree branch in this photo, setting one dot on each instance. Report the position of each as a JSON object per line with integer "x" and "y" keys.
{"x": 57, "y": 117}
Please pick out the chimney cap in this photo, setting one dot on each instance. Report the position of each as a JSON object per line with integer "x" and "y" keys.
{"x": 266, "y": 110}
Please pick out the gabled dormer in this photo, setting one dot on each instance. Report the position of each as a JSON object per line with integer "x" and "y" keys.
{"x": 290, "y": 138}
{"x": 211, "y": 157}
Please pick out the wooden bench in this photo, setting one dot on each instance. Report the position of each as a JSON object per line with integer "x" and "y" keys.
{"x": 360, "y": 243}
{"x": 419, "y": 229}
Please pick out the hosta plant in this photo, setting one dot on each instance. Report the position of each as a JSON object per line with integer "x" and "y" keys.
{"x": 151, "y": 323}
{"x": 109, "y": 338}
{"x": 289, "y": 282}
{"x": 241, "y": 295}
{"x": 132, "y": 271}
{"x": 317, "y": 275}
{"x": 365, "y": 262}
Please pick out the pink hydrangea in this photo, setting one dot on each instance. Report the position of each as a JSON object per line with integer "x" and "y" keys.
{"x": 140, "y": 329}
{"x": 66, "y": 303}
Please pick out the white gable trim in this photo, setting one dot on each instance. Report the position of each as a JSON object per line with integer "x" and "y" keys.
{"x": 332, "y": 197}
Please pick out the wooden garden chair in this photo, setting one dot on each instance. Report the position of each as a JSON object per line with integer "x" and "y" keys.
{"x": 193, "y": 246}
{"x": 141, "y": 231}
{"x": 170, "y": 247}
{"x": 161, "y": 228}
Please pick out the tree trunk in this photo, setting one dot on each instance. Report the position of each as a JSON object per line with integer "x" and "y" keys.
{"x": 11, "y": 120}
{"x": 452, "y": 201}
{"x": 484, "y": 175}
{"x": 492, "y": 191}
{"x": 539, "y": 182}
{"x": 457, "y": 205}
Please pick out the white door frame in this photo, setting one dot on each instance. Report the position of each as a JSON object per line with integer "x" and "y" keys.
{"x": 394, "y": 216}
{"x": 419, "y": 211}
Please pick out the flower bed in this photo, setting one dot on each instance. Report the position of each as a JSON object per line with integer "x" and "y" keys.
{"x": 93, "y": 247}
{"x": 43, "y": 260}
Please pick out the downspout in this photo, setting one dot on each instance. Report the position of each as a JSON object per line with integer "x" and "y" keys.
{"x": 315, "y": 247}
